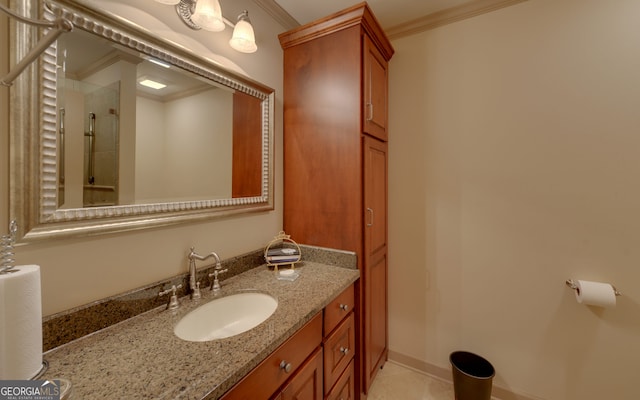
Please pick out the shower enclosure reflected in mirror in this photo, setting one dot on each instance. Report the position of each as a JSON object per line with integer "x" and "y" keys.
{"x": 143, "y": 132}
{"x": 88, "y": 129}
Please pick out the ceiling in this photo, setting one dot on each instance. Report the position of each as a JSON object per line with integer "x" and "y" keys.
{"x": 83, "y": 54}
{"x": 397, "y": 17}
{"x": 390, "y": 13}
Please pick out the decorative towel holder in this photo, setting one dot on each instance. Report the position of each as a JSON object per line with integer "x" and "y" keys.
{"x": 282, "y": 251}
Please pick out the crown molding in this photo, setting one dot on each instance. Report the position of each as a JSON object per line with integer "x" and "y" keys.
{"x": 448, "y": 16}
{"x": 357, "y": 15}
{"x": 278, "y": 13}
{"x": 425, "y": 23}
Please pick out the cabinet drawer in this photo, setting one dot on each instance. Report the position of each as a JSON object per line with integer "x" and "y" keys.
{"x": 268, "y": 376}
{"x": 339, "y": 308}
{"x": 339, "y": 349}
{"x": 345, "y": 386}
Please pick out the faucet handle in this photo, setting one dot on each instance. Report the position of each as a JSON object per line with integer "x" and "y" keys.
{"x": 173, "y": 300}
{"x": 215, "y": 284}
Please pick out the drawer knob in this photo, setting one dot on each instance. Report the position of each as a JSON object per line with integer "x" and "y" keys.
{"x": 344, "y": 307}
{"x": 285, "y": 366}
{"x": 344, "y": 350}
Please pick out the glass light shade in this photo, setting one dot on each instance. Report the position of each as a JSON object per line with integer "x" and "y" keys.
{"x": 170, "y": 2}
{"x": 208, "y": 15}
{"x": 243, "y": 39}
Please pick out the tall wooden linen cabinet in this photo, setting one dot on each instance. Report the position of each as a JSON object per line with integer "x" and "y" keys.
{"x": 335, "y": 157}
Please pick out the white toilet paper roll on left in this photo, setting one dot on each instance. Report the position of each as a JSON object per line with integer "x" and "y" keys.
{"x": 20, "y": 323}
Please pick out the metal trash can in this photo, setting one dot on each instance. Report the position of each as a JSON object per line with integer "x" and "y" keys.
{"x": 472, "y": 376}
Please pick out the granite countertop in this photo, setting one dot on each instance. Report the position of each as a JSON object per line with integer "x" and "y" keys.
{"x": 142, "y": 358}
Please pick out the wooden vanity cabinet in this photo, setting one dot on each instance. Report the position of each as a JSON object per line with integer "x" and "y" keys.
{"x": 316, "y": 361}
{"x": 297, "y": 362}
{"x": 339, "y": 342}
{"x": 335, "y": 158}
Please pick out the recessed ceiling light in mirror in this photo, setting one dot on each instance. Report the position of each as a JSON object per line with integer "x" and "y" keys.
{"x": 152, "y": 84}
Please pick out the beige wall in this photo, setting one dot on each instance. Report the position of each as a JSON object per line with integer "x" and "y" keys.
{"x": 195, "y": 157}
{"x": 513, "y": 167}
{"x": 78, "y": 271}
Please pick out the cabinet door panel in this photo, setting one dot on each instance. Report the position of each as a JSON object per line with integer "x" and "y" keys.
{"x": 375, "y": 91}
{"x": 345, "y": 387}
{"x": 376, "y": 319}
{"x": 375, "y": 263}
{"x": 307, "y": 383}
{"x": 375, "y": 182}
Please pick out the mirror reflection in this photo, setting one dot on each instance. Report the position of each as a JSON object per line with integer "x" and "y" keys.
{"x": 95, "y": 151}
{"x": 135, "y": 130}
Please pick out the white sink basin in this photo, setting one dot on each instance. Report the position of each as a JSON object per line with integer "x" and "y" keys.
{"x": 226, "y": 316}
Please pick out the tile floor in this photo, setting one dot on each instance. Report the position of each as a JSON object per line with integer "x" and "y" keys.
{"x": 396, "y": 382}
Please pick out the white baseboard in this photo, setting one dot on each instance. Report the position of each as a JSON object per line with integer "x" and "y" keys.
{"x": 498, "y": 393}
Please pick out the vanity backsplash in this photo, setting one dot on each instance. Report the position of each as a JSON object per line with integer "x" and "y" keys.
{"x": 75, "y": 323}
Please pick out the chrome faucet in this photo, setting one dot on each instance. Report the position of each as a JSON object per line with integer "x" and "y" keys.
{"x": 195, "y": 286}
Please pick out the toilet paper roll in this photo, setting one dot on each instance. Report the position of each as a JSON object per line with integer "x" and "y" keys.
{"x": 595, "y": 294}
{"x": 20, "y": 323}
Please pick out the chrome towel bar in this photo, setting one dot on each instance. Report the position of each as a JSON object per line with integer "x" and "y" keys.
{"x": 58, "y": 26}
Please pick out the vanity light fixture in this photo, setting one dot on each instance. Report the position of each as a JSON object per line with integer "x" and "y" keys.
{"x": 243, "y": 38}
{"x": 207, "y": 15}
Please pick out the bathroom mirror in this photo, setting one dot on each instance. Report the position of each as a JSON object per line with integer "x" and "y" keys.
{"x": 94, "y": 151}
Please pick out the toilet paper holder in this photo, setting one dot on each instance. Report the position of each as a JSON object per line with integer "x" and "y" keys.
{"x": 6, "y": 249}
{"x": 574, "y": 286}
